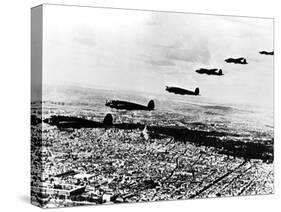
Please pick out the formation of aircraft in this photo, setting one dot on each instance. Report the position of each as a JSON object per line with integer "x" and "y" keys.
{"x": 125, "y": 105}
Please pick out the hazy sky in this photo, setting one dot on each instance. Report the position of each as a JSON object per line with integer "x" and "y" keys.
{"x": 144, "y": 51}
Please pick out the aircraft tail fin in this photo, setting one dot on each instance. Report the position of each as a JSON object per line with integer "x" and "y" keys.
{"x": 151, "y": 105}
{"x": 196, "y": 91}
{"x": 108, "y": 119}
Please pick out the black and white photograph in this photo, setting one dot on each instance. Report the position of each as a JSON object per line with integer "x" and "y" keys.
{"x": 140, "y": 105}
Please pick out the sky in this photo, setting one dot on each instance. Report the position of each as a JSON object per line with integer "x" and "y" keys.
{"x": 145, "y": 51}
